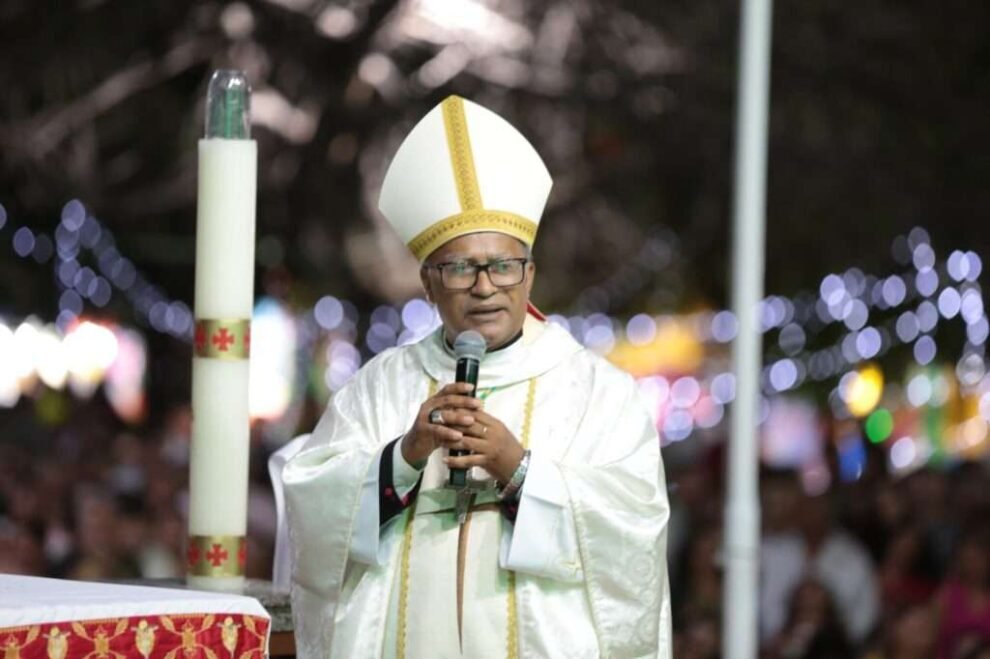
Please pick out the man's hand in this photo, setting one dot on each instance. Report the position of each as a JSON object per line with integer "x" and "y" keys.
{"x": 457, "y": 408}
{"x": 494, "y": 448}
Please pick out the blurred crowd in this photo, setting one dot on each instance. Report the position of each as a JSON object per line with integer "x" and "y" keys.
{"x": 874, "y": 568}
{"x": 90, "y": 499}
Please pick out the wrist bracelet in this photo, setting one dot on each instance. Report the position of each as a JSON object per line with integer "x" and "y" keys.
{"x": 511, "y": 488}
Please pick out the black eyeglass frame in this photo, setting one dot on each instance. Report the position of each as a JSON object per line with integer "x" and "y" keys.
{"x": 478, "y": 268}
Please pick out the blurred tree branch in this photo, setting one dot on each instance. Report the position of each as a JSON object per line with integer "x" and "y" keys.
{"x": 878, "y": 123}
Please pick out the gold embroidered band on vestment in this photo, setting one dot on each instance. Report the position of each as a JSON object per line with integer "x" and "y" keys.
{"x": 512, "y": 609}
{"x": 400, "y": 635}
{"x": 512, "y": 642}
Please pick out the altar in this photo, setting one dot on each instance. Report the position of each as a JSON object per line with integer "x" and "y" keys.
{"x": 58, "y": 619}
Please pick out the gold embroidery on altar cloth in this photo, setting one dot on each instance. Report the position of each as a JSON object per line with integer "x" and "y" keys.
{"x": 58, "y": 643}
{"x": 228, "y": 634}
{"x": 188, "y": 633}
{"x": 144, "y": 638}
{"x": 110, "y": 638}
{"x": 12, "y": 649}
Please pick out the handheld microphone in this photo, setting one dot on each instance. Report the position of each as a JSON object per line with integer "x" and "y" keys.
{"x": 469, "y": 347}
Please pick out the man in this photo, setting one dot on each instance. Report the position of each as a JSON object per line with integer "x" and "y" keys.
{"x": 561, "y": 553}
{"x": 819, "y": 550}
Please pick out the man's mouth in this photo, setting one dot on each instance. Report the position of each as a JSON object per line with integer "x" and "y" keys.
{"x": 485, "y": 312}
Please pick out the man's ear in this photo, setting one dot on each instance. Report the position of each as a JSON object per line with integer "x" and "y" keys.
{"x": 424, "y": 278}
{"x": 530, "y": 276}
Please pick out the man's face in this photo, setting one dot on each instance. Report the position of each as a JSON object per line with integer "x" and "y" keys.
{"x": 495, "y": 312}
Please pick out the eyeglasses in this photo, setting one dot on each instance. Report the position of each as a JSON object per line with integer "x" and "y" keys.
{"x": 462, "y": 276}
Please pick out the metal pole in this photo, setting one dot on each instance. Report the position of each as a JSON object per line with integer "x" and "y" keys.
{"x": 740, "y": 595}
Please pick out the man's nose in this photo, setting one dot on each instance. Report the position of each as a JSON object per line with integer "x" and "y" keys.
{"x": 483, "y": 285}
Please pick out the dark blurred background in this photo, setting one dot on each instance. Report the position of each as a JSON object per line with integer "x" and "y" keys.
{"x": 876, "y": 403}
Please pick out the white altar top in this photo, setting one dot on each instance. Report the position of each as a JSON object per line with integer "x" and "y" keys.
{"x": 34, "y": 600}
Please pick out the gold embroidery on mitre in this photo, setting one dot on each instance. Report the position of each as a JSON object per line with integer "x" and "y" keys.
{"x": 461, "y": 157}
{"x": 438, "y": 233}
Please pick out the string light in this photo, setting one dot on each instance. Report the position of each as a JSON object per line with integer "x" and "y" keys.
{"x": 876, "y": 313}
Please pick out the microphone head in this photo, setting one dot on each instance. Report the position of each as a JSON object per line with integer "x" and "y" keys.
{"x": 470, "y": 344}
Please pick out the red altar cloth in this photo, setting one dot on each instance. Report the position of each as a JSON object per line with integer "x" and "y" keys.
{"x": 53, "y": 619}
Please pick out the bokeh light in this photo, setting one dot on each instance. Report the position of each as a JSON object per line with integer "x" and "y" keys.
{"x": 879, "y": 424}
{"x": 861, "y": 390}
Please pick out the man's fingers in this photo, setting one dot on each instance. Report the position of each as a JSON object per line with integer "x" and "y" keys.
{"x": 459, "y": 419}
{"x": 445, "y": 435}
{"x": 473, "y": 444}
{"x": 468, "y": 443}
{"x": 448, "y": 417}
{"x": 480, "y": 431}
{"x": 466, "y": 461}
{"x": 456, "y": 389}
{"x": 485, "y": 419}
{"x": 453, "y": 445}
{"x": 451, "y": 401}
{"x": 485, "y": 425}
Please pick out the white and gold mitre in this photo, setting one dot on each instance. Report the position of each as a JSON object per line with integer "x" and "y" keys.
{"x": 463, "y": 169}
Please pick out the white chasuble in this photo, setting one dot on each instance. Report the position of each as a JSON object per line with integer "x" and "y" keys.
{"x": 581, "y": 572}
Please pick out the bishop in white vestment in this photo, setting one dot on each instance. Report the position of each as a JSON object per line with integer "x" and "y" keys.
{"x": 560, "y": 551}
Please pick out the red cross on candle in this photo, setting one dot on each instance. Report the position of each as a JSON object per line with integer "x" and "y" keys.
{"x": 200, "y": 339}
{"x": 242, "y": 555}
{"x": 192, "y": 554}
{"x": 222, "y": 339}
{"x": 247, "y": 340}
{"x": 216, "y": 555}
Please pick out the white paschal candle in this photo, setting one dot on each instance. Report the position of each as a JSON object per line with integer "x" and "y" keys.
{"x": 225, "y": 229}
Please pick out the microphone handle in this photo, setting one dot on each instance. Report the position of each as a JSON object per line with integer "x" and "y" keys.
{"x": 467, "y": 371}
